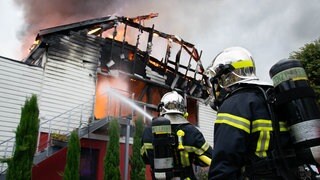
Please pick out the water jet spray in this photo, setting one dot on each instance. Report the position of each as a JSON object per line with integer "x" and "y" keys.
{"x": 128, "y": 101}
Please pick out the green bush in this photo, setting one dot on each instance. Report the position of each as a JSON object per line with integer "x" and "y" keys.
{"x": 112, "y": 160}
{"x": 136, "y": 162}
{"x": 20, "y": 165}
{"x": 71, "y": 170}
{"x": 309, "y": 55}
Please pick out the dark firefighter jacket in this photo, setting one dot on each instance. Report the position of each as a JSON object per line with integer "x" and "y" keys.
{"x": 196, "y": 150}
{"x": 243, "y": 135}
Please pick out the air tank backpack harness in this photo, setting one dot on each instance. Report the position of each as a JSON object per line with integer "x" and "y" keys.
{"x": 292, "y": 101}
{"x": 162, "y": 145}
{"x": 168, "y": 149}
{"x": 296, "y": 105}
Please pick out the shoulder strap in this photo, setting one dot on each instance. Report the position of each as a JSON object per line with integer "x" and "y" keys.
{"x": 282, "y": 170}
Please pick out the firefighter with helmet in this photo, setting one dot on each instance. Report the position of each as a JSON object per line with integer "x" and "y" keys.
{"x": 180, "y": 146}
{"x": 244, "y": 135}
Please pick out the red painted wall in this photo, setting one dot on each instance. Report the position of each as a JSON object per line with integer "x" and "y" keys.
{"x": 101, "y": 146}
{"x": 53, "y": 167}
{"x": 43, "y": 143}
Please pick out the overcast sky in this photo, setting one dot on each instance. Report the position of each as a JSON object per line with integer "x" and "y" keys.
{"x": 270, "y": 30}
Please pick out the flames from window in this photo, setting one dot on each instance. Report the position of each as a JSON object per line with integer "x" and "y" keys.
{"x": 106, "y": 104}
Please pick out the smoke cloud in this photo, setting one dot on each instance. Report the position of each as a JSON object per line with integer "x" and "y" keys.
{"x": 270, "y": 30}
{"x": 42, "y": 14}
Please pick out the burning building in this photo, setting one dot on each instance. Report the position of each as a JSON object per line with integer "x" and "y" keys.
{"x": 88, "y": 72}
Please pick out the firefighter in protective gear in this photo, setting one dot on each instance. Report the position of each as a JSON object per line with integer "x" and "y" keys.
{"x": 190, "y": 146}
{"x": 244, "y": 136}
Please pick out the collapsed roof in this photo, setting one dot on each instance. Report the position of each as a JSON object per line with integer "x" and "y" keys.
{"x": 122, "y": 45}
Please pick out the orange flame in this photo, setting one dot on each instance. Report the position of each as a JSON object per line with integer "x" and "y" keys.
{"x": 106, "y": 104}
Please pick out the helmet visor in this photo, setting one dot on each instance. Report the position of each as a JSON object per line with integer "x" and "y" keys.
{"x": 173, "y": 106}
{"x": 242, "y": 69}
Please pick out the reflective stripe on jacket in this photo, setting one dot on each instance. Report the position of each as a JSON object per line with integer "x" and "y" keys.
{"x": 242, "y": 132}
{"x": 196, "y": 150}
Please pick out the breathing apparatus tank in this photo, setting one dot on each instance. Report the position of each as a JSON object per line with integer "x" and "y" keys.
{"x": 295, "y": 104}
{"x": 163, "y": 141}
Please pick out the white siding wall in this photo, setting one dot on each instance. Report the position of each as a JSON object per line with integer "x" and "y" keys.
{"x": 17, "y": 82}
{"x": 67, "y": 95}
{"x": 63, "y": 90}
{"x": 65, "y": 87}
{"x": 207, "y": 117}
{"x": 69, "y": 80}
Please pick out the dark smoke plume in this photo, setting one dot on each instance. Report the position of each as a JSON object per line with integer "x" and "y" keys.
{"x": 42, "y": 14}
{"x": 270, "y": 30}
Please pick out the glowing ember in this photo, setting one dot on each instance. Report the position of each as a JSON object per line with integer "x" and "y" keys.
{"x": 93, "y": 31}
{"x": 154, "y": 63}
{"x": 35, "y": 43}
